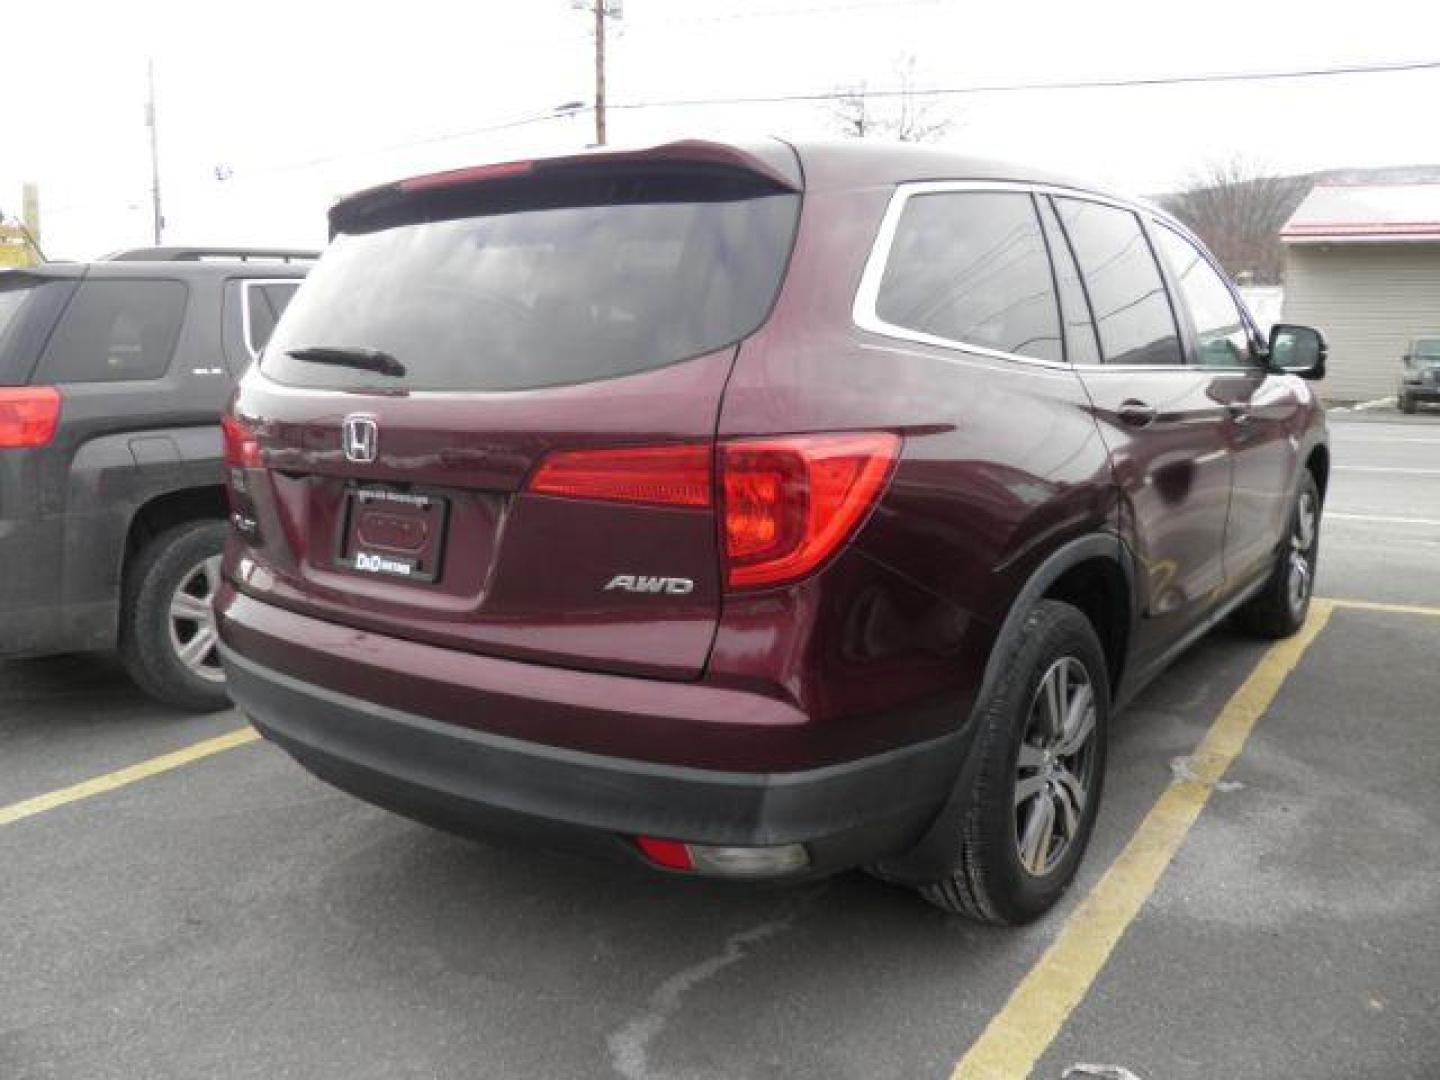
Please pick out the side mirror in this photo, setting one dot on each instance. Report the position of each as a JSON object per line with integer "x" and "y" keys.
{"x": 1297, "y": 350}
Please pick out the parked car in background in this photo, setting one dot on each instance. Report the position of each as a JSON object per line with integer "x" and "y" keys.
{"x": 631, "y": 501}
{"x": 1420, "y": 376}
{"x": 113, "y": 376}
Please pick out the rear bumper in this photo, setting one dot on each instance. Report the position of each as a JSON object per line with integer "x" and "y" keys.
{"x": 477, "y": 781}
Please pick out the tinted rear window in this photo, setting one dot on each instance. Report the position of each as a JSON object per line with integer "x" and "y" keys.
{"x": 971, "y": 267}
{"x": 115, "y": 331}
{"x": 1428, "y": 348}
{"x": 543, "y": 297}
{"x": 28, "y": 307}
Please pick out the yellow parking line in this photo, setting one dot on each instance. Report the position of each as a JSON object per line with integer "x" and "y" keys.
{"x": 1392, "y": 609}
{"x": 1020, "y": 1033}
{"x": 128, "y": 775}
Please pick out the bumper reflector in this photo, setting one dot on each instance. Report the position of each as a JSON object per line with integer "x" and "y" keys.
{"x": 724, "y": 861}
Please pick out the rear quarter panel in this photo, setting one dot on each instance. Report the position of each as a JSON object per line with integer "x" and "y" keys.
{"x": 1002, "y": 463}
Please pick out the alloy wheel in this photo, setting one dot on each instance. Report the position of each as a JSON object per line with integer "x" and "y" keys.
{"x": 1301, "y": 569}
{"x": 192, "y": 620}
{"x": 1055, "y": 768}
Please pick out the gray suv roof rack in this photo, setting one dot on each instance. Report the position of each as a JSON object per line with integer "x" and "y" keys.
{"x": 205, "y": 254}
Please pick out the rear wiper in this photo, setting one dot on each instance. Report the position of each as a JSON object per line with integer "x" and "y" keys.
{"x": 355, "y": 356}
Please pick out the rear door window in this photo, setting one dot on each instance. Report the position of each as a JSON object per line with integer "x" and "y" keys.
{"x": 539, "y": 297}
{"x": 262, "y": 304}
{"x": 1082, "y": 345}
{"x": 970, "y": 267}
{"x": 115, "y": 330}
{"x": 1127, "y": 295}
{"x": 1221, "y": 338}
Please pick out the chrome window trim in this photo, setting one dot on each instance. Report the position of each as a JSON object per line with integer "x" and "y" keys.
{"x": 245, "y": 286}
{"x": 863, "y": 311}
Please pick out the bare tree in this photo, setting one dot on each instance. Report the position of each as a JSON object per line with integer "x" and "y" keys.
{"x": 902, "y": 114}
{"x": 1238, "y": 208}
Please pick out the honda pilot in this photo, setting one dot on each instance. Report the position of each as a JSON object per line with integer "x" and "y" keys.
{"x": 757, "y": 511}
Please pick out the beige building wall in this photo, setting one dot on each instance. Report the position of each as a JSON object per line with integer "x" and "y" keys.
{"x": 1368, "y": 299}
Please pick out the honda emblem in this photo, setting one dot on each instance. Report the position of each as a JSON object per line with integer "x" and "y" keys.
{"x": 359, "y": 438}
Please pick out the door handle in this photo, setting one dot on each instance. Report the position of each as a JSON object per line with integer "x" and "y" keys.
{"x": 1238, "y": 410}
{"x": 1137, "y": 413}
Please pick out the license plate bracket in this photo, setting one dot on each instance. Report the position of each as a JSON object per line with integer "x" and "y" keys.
{"x": 392, "y": 533}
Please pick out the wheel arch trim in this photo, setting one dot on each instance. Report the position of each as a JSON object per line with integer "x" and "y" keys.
{"x": 1083, "y": 549}
{"x": 932, "y": 854}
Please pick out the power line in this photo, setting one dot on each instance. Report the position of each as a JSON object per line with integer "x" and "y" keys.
{"x": 780, "y": 13}
{"x": 1073, "y": 84}
{"x": 832, "y": 95}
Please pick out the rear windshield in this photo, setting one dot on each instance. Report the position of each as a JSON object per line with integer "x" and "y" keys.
{"x": 1427, "y": 348}
{"x": 539, "y": 297}
{"x": 28, "y": 308}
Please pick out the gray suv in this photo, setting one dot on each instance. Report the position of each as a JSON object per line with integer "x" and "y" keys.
{"x": 1420, "y": 378}
{"x": 113, "y": 376}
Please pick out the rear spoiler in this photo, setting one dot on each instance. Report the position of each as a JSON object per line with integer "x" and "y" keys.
{"x": 771, "y": 165}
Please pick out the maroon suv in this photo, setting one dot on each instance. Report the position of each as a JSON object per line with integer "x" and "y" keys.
{"x": 757, "y": 511}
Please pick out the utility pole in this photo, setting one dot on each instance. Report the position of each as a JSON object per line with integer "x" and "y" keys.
{"x": 599, "y": 72}
{"x": 159, "y": 218}
{"x": 30, "y": 212}
{"x": 599, "y": 10}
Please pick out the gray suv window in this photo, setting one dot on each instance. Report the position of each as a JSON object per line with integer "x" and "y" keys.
{"x": 263, "y": 302}
{"x": 29, "y": 306}
{"x": 1127, "y": 295}
{"x": 115, "y": 330}
{"x": 971, "y": 267}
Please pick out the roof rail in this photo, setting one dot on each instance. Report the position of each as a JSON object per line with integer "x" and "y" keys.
{"x": 211, "y": 254}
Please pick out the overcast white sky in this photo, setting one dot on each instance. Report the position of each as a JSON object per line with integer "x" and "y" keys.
{"x": 305, "y": 100}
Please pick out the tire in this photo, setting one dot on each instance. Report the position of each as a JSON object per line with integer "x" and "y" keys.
{"x": 1280, "y": 608}
{"x": 1407, "y": 403}
{"x": 1000, "y": 874}
{"x": 168, "y": 588}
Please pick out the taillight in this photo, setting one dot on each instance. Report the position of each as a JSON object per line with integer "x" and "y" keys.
{"x": 29, "y": 416}
{"x": 789, "y": 503}
{"x": 242, "y": 446}
{"x": 786, "y": 504}
{"x": 656, "y": 475}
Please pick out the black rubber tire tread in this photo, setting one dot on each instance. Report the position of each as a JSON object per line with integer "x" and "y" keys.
{"x": 1268, "y": 615}
{"x": 145, "y": 612}
{"x": 1406, "y": 403}
{"x": 983, "y": 884}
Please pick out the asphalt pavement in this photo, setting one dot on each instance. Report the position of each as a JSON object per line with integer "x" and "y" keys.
{"x": 232, "y": 917}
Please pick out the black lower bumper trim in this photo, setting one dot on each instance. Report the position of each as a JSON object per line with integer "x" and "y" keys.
{"x": 460, "y": 778}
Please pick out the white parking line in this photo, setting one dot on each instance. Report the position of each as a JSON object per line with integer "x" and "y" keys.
{"x": 1386, "y": 438}
{"x": 1331, "y": 515}
{"x": 1363, "y": 406}
{"x": 1387, "y": 469}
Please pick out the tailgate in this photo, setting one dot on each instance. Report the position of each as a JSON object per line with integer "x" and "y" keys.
{"x": 462, "y": 336}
